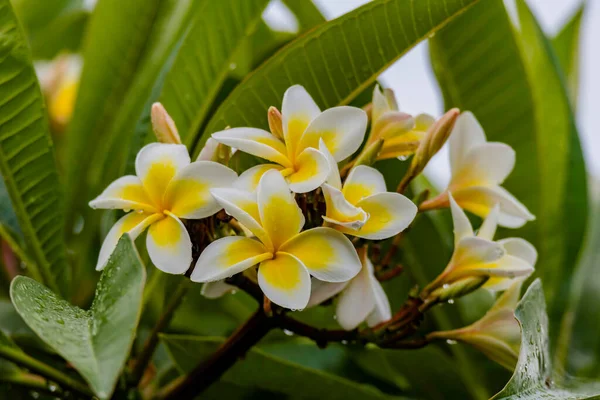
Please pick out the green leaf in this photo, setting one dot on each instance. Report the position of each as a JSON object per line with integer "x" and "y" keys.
{"x": 566, "y": 47}
{"x": 306, "y": 12}
{"x": 335, "y": 61}
{"x": 261, "y": 370}
{"x": 513, "y": 86}
{"x": 7, "y": 367}
{"x": 65, "y": 33}
{"x": 533, "y": 377}
{"x": 27, "y": 157}
{"x": 95, "y": 342}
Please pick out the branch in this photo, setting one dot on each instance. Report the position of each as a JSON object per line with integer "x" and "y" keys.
{"x": 320, "y": 336}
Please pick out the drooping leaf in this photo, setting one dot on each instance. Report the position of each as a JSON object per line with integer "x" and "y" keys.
{"x": 27, "y": 157}
{"x": 513, "y": 86}
{"x": 95, "y": 342}
{"x": 533, "y": 377}
{"x": 566, "y": 47}
{"x": 335, "y": 61}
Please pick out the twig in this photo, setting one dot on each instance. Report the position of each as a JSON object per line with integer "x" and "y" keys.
{"x": 244, "y": 283}
{"x": 30, "y": 381}
{"x": 320, "y": 336}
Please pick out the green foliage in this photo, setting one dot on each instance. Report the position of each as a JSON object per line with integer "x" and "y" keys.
{"x": 95, "y": 342}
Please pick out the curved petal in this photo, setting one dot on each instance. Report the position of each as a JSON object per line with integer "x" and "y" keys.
{"x": 380, "y": 104}
{"x": 216, "y": 289}
{"x": 156, "y": 164}
{"x": 279, "y": 213}
{"x": 340, "y": 211}
{"x": 321, "y": 291}
{"x": 484, "y": 165}
{"x": 126, "y": 193}
{"x": 466, "y": 133}
{"x": 333, "y": 178}
{"x": 227, "y": 256}
{"x": 462, "y": 225}
{"x": 209, "y": 150}
{"x": 242, "y": 206}
{"x": 327, "y": 254}
{"x": 188, "y": 194}
{"x": 133, "y": 223}
{"x": 520, "y": 248}
{"x": 423, "y": 122}
{"x": 169, "y": 245}
{"x": 356, "y": 302}
{"x": 382, "y": 311}
{"x": 363, "y": 182}
{"x": 480, "y": 200}
{"x": 341, "y": 128}
{"x": 472, "y": 252}
{"x": 297, "y": 111}
{"x": 248, "y": 180}
{"x": 509, "y": 267}
{"x": 389, "y": 214}
{"x": 256, "y": 142}
{"x": 311, "y": 170}
{"x": 487, "y": 230}
{"x": 285, "y": 281}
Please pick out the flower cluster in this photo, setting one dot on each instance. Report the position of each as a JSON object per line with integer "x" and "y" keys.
{"x": 298, "y": 225}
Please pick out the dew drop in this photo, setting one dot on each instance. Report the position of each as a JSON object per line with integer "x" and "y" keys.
{"x": 232, "y": 66}
{"x": 451, "y": 301}
{"x": 403, "y": 158}
{"x": 287, "y": 332}
{"x": 451, "y": 342}
{"x": 445, "y": 286}
{"x": 344, "y": 342}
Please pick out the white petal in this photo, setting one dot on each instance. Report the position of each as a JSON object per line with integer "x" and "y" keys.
{"x": 363, "y": 181}
{"x": 297, "y": 111}
{"x": 487, "y": 230}
{"x": 188, "y": 194}
{"x": 169, "y": 245}
{"x": 340, "y": 211}
{"x": 255, "y": 141}
{"x": 476, "y": 251}
{"x": 280, "y": 215}
{"x": 209, "y": 151}
{"x": 126, "y": 193}
{"x": 484, "y": 165}
{"x": 341, "y": 128}
{"x": 285, "y": 281}
{"x": 462, "y": 225}
{"x": 466, "y": 133}
{"x": 520, "y": 248}
{"x": 380, "y": 104}
{"x": 248, "y": 180}
{"x": 227, "y": 256}
{"x": 327, "y": 254}
{"x": 356, "y": 302}
{"x": 156, "y": 164}
{"x": 321, "y": 291}
{"x": 333, "y": 178}
{"x": 382, "y": 311}
{"x": 216, "y": 289}
{"x": 311, "y": 170}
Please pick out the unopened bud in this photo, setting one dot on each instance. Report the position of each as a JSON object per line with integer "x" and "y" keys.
{"x": 369, "y": 154}
{"x": 163, "y": 126}
{"x": 457, "y": 289}
{"x": 215, "y": 151}
{"x": 275, "y": 122}
{"x": 392, "y": 124}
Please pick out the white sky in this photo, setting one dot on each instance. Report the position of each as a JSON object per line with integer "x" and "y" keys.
{"x": 416, "y": 89}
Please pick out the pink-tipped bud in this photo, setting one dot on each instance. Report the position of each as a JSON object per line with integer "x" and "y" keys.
{"x": 163, "y": 126}
{"x": 275, "y": 122}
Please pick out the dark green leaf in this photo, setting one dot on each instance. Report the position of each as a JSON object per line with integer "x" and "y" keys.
{"x": 27, "y": 157}
{"x": 65, "y": 33}
{"x": 95, "y": 342}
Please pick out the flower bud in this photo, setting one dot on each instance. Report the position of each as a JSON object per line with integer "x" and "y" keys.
{"x": 434, "y": 140}
{"x": 369, "y": 155}
{"x": 275, "y": 122}
{"x": 163, "y": 126}
{"x": 457, "y": 289}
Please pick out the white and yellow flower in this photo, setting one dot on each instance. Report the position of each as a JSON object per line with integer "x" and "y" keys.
{"x": 361, "y": 299}
{"x": 362, "y": 206}
{"x": 296, "y": 155}
{"x": 165, "y": 189}
{"x": 497, "y": 334}
{"x": 401, "y": 132}
{"x": 479, "y": 255}
{"x": 478, "y": 169}
{"x": 286, "y": 256}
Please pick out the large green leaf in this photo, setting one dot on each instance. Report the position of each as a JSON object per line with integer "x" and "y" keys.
{"x": 306, "y": 12}
{"x": 27, "y": 157}
{"x": 95, "y": 342}
{"x": 262, "y": 370}
{"x": 513, "y": 86}
{"x": 566, "y": 47}
{"x": 336, "y": 60}
{"x": 533, "y": 377}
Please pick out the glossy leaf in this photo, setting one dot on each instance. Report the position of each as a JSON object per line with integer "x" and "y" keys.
{"x": 533, "y": 377}
{"x": 335, "y": 61}
{"x": 513, "y": 86}
{"x": 95, "y": 342}
{"x": 261, "y": 370}
{"x": 27, "y": 157}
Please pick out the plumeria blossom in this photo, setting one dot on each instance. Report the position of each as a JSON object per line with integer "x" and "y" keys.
{"x": 296, "y": 154}
{"x": 362, "y": 206}
{"x": 479, "y": 255}
{"x": 361, "y": 299}
{"x": 167, "y": 187}
{"x": 401, "y": 132}
{"x": 497, "y": 334}
{"x": 286, "y": 257}
{"x": 478, "y": 169}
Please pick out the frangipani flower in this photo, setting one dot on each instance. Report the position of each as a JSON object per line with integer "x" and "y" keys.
{"x": 478, "y": 170}
{"x": 286, "y": 256}
{"x": 497, "y": 334}
{"x": 362, "y": 206}
{"x": 60, "y": 81}
{"x": 478, "y": 255}
{"x": 295, "y": 155}
{"x": 400, "y": 131}
{"x": 165, "y": 189}
{"x": 361, "y": 299}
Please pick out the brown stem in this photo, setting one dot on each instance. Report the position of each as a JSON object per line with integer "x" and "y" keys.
{"x": 320, "y": 336}
{"x": 209, "y": 371}
{"x": 389, "y": 273}
{"x": 247, "y": 285}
